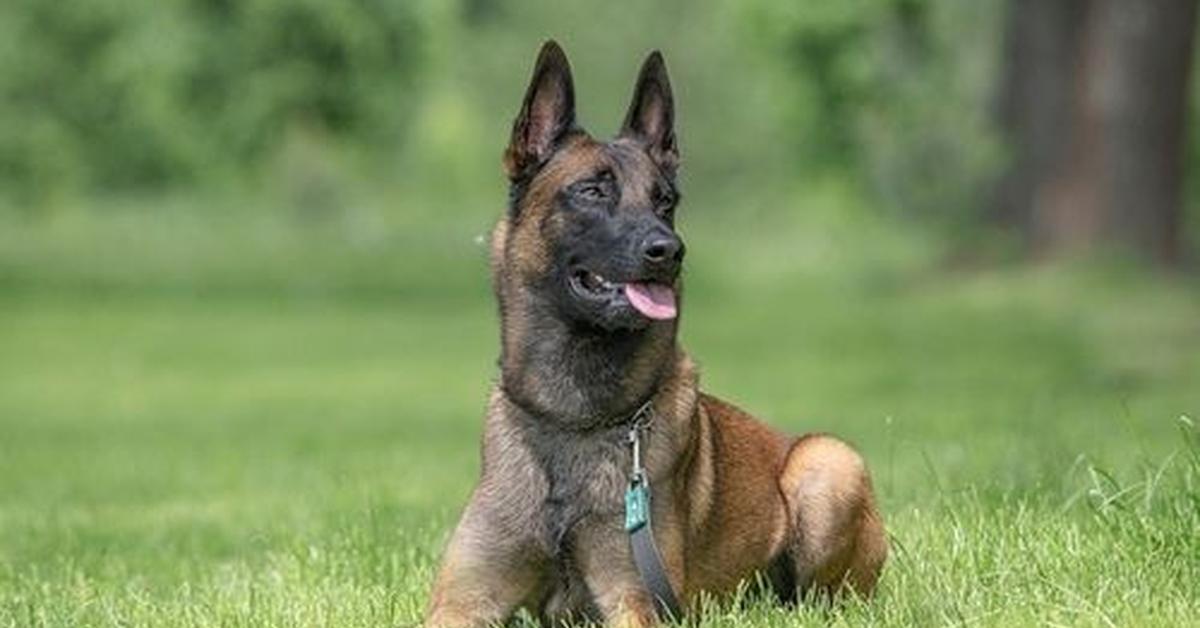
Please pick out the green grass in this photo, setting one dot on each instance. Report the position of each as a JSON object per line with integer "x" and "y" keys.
{"x": 231, "y": 423}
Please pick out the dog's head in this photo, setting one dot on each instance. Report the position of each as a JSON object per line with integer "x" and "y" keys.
{"x": 590, "y": 230}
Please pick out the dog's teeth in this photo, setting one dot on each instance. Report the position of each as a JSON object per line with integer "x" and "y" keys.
{"x": 592, "y": 281}
{"x": 597, "y": 283}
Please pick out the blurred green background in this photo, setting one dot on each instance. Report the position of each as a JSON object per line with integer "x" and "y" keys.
{"x": 246, "y": 330}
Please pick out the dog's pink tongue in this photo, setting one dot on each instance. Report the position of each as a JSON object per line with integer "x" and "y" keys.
{"x": 654, "y": 300}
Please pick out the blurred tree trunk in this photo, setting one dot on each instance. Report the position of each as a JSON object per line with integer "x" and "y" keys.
{"x": 1041, "y": 40}
{"x": 1093, "y": 99}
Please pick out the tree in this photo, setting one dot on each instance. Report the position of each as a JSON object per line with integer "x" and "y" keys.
{"x": 1093, "y": 100}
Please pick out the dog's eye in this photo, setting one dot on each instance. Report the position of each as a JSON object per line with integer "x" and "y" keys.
{"x": 592, "y": 192}
{"x": 664, "y": 203}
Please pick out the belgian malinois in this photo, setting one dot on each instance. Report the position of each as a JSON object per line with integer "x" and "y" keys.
{"x": 596, "y": 396}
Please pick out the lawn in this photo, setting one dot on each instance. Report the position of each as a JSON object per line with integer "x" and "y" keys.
{"x": 232, "y": 423}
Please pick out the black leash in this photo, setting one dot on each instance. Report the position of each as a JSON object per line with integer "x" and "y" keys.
{"x": 641, "y": 533}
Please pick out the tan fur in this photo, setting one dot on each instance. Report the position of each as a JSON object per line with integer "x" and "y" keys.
{"x": 731, "y": 494}
{"x": 732, "y": 497}
{"x": 840, "y": 539}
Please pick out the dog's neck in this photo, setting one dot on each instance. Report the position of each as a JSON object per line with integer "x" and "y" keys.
{"x": 579, "y": 377}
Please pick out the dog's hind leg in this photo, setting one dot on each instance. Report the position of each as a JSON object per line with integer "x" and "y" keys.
{"x": 837, "y": 538}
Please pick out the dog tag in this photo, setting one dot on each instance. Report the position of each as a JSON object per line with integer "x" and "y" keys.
{"x": 637, "y": 506}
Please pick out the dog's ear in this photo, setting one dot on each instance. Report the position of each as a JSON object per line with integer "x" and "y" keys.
{"x": 547, "y": 114}
{"x": 651, "y": 117}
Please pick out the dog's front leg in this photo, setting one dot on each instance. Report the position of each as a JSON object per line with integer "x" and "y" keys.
{"x": 489, "y": 570}
{"x": 606, "y": 562}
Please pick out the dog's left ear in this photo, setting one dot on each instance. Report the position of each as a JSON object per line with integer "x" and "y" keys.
{"x": 651, "y": 117}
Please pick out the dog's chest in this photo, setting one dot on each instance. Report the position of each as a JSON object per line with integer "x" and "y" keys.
{"x": 585, "y": 478}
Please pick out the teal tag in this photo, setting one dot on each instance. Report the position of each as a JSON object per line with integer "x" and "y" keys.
{"x": 637, "y": 506}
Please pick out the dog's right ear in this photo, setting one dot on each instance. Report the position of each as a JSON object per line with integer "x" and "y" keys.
{"x": 546, "y": 115}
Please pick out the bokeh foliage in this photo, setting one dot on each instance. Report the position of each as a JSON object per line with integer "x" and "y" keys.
{"x": 894, "y": 97}
{"x": 119, "y": 94}
{"x": 895, "y": 92}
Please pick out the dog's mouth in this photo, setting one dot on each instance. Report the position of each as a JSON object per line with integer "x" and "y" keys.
{"x": 651, "y": 299}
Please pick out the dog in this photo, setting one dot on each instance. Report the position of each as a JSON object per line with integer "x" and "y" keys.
{"x": 596, "y": 425}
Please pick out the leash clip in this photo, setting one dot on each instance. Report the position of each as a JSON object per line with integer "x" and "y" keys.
{"x": 639, "y": 424}
{"x": 637, "y": 495}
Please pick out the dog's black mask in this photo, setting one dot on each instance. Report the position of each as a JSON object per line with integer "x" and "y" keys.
{"x": 605, "y": 211}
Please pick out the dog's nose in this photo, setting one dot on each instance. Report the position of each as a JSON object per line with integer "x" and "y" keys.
{"x": 660, "y": 248}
